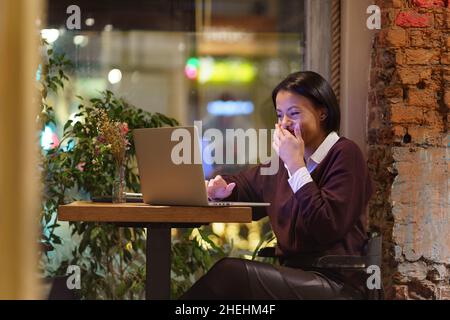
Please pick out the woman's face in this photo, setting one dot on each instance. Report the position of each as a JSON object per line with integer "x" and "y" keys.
{"x": 294, "y": 109}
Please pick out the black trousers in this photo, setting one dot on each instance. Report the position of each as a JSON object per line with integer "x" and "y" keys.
{"x": 236, "y": 279}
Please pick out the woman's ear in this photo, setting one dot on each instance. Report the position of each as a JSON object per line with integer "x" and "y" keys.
{"x": 323, "y": 114}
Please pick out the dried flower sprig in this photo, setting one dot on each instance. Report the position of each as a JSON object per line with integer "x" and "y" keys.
{"x": 113, "y": 135}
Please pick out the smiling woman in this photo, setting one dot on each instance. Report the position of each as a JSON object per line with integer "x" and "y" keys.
{"x": 318, "y": 204}
{"x": 305, "y": 103}
{"x": 308, "y": 91}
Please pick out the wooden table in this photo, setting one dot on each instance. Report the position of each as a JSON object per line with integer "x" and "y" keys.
{"x": 158, "y": 220}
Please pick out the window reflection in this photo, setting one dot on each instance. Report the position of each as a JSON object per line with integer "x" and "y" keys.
{"x": 210, "y": 60}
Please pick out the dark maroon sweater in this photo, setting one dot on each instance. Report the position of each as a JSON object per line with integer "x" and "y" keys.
{"x": 326, "y": 216}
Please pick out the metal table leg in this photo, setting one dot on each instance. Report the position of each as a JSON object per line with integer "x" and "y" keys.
{"x": 157, "y": 284}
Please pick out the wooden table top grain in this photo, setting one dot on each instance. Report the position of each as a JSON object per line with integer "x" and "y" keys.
{"x": 144, "y": 213}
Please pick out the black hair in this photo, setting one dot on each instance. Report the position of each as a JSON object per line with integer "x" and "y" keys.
{"x": 313, "y": 86}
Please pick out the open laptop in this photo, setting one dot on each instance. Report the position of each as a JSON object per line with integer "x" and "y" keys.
{"x": 163, "y": 182}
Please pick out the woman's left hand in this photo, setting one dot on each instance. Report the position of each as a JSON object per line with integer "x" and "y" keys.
{"x": 290, "y": 149}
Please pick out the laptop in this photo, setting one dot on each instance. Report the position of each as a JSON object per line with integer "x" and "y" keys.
{"x": 175, "y": 183}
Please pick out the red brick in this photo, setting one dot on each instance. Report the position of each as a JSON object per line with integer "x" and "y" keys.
{"x": 400, "y": 57}
{"x": 420, "y": 135}
{"x": 393, "y": 93}
{"x": 397, "y": 3}
{"x": 422, "y": 290}
{"x": 422, "y": 56}
{"x": 412, "y": 18}
{"x": 398, "y": 131}
{"x": 447, "y": 98}
{"x": 447, "y": 43}
{"x": 431, "y": 136}
{"x": 395, "y": 37}
{"x": 446, "y": 74}
{"x": 400, "y": 292}
{"x": 406, "y": 115}
{"x": 425, "y": 38}
{"x": 445, "y": 58}
{"x": 408, "y": 76}
{"x": 429, "y": 3}
{"x": 387, "y": 18}
{"x": 390, "y": 3}
{"x": 447, "y": 19}
{"x": 433, "y": 118}
{"x": 422, "y": 98}
{"x": 417, "y": 38}
{"x": 411, "y": 75}
{"x": 444, "y": 293}
{"x": 440, "y": 21}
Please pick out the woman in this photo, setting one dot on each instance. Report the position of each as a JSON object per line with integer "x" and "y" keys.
{"x": 318, "y": 203}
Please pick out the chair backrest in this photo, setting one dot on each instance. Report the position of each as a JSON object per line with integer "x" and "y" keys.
{"x": 372, "y": 256}
{"x": 373, "y": 252}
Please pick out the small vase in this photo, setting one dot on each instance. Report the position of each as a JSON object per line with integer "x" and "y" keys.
{"x": 118, "y": 195}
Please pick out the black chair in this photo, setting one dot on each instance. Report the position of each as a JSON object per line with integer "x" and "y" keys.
{"x": 59, "y": 290}
{"x": 372, "y": 257}
{"x": 57, "y": 285}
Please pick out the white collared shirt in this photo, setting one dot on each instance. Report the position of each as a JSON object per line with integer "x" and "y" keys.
{"x": 303, "y": 175}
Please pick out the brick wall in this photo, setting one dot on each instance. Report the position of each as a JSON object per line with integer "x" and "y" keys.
{"x": 408, "y": 156}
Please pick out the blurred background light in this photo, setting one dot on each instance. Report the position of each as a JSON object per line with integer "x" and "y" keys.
{"x": 49, "y": 139}
{"x": 192, "y": 67}
{"x": 114, "y": 76}
{"x": 230, "y": 108}
{"x": 210, "y": 70}
{"x": 39, "y": 72}
{"x": 206, "y": 69}
{"x": 108, "y": 27}
{"x": 90, "y": 22}
{"x": 80, "y": 40}
{"x": 50, "y": 35}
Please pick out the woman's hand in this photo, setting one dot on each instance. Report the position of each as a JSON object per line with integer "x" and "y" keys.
{"x": 218, "y": 189}
{"x": 291, "y": 149}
